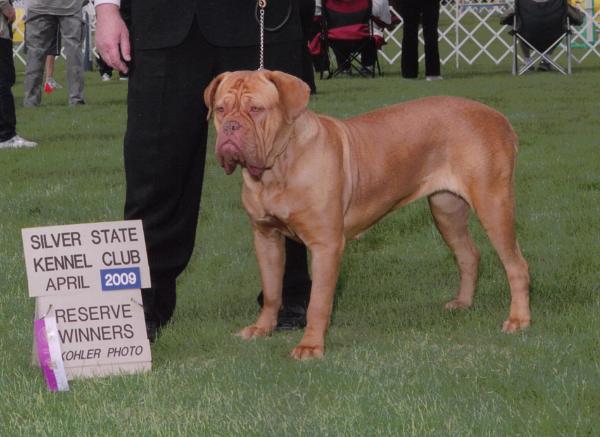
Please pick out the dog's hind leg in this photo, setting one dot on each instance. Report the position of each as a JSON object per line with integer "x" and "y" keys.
{"x": 496, "y": 211}
{"x": 451, "y": 215}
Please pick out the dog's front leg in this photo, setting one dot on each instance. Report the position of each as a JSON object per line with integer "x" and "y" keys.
{"x": 269, "y": 246}
{"x": 325, "y": 266}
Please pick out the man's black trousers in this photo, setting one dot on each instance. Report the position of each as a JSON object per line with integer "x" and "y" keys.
{"x": 8, "y": 120}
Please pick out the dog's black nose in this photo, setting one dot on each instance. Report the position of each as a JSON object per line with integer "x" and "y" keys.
{"x": 230, "y": 126}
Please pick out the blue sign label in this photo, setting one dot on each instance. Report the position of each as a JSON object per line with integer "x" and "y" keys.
{"x": 120, "y": 279}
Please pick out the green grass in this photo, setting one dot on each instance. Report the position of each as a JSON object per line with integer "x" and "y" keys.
{"x": 396, "y": 363}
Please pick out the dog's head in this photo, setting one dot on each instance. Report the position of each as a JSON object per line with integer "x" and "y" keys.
{"x": 253, "y": 113}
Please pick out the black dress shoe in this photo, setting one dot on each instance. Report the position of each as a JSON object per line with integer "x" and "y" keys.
{"x": 291, "y": 317}
{"x": 159, "y": 304}
{"x": 152, "y": 330}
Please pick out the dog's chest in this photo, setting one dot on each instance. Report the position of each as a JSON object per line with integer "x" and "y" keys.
{"x": 272, "y": 222}
{"x": 268, "y": 209}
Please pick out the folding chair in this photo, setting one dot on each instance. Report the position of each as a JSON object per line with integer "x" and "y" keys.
{"x": 540, "y": 26}
{"x": 347, "y": 29}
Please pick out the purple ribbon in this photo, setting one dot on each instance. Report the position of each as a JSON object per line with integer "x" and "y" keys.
{"x": 43, "y": 351}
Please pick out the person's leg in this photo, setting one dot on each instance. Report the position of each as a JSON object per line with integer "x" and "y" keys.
{"x": 49, "y": 67}
{"x": 54, "y": 51}
{"x": 410, "y": 13}
{"x": 165, "y": 147}
{"x": 8, "y": 120}
{"x": 308, "y": 72}
{"x": 41, "y": 30}
{"x": 368, "y": 54}
{"x": 307, "y": 12}
{"x": 341, "y": 51}
{"x": 431, "y": 17}
{"x": 71, "y": 29}
{"x": 296, "y": 280}
{"x": 526, "y": 52}
{"x": 103, "y": 67}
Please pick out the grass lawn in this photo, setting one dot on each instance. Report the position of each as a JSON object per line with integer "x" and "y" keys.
{"x": 396, "y": 362}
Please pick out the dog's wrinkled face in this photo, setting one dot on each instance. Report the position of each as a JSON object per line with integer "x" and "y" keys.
{"x": 253, "y": 111}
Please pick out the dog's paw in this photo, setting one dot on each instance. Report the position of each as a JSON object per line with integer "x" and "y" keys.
{"x": 306, "y": 352}
{"x": 253, "y": 331}
{"x": 514, "y": 324}
{"x": 456, "y": 304}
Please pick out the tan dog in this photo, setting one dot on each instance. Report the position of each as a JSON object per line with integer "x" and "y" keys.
{"x": 323, "y": 181}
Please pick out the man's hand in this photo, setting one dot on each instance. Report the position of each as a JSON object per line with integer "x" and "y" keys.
{"x": 9, "y": 13}
{"x": 112, "y": 37}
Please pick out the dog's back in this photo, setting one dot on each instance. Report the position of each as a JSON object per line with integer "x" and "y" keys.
{"x": 402, "y": 152}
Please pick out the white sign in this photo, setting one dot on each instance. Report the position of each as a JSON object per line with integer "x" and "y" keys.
{"x": 91, "y": 257}
{"x": 99, "y": 334}
{"x": 88, "y": 278}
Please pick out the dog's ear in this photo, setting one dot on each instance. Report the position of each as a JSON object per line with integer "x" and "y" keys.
{"x": 294, "y": 93}
{"x": 210, "y": 91}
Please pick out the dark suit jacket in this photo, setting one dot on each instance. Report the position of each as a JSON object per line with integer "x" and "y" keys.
{"x": 224, "y": 23}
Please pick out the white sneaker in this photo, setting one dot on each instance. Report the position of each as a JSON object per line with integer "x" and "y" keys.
{"x": 16, "y": 142}
{"x": 430, "y": 78}
{"x": 53, "y": 83}
{"x": 105, "y": 77}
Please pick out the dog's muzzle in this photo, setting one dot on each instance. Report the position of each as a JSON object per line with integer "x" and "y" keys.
{"x": 231, "y": 150}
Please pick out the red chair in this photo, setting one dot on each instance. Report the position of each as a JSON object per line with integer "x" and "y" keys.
{"x": 347, "y": 29}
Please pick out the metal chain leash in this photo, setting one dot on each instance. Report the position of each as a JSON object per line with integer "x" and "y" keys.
{"x": 262, "y": 4}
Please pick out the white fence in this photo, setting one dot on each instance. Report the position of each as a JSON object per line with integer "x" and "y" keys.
{"x": 469, "y": 32}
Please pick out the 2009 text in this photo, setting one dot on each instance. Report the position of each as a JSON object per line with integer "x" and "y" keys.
{"x": 120, "y": 279}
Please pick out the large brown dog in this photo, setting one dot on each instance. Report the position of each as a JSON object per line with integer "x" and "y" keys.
{"x": 324, "y": 181}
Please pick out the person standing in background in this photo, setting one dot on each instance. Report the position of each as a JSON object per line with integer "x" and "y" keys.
{"x": 104, "y": 69}
{"x": 8, "y": 118}
{"x": 174, "y": 50}
{"x": 44, "y": 19}
{"x": 50, "y": 84}
{"x": 427, "y": 13}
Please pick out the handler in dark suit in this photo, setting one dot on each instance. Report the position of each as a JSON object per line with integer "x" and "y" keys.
{"x": 173, "y": 50}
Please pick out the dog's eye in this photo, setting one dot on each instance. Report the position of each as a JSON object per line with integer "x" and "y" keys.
{"x": 256, "y": 109}
{"x": 220, "y": 109}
